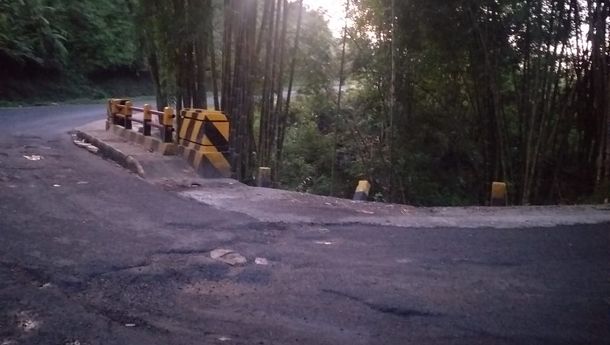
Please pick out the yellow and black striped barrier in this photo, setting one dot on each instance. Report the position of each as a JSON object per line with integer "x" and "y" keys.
{"x": 204, "y": 141}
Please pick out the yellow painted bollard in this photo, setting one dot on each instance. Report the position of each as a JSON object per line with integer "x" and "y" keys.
{"x": 168, "y": 124}
{"x": 264, "y": 177}
{"x": 147, "y": 119}
{"x": 362, "y": 191}
{"x": 127, "y": 112}
{"x": 498, "y": 194}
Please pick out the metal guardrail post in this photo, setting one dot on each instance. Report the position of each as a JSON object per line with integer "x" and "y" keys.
{"x": 147, "y": 119}
{"x": 128, "y": 112}
{"x": 168, "y": 125}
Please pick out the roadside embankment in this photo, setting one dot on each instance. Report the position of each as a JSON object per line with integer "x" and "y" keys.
{"x": 271, "y": 205}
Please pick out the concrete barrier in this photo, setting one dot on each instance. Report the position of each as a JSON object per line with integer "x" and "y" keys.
{"x": 204, "y": 141}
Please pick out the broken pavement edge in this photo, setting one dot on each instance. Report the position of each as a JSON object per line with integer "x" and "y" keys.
{"x": 108, "y": 151}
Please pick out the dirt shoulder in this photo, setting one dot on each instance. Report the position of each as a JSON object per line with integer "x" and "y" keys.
{"x": 292, "y": 207}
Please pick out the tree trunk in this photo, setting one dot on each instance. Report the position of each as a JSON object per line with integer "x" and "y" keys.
{"x": 213, "y": 70}
{"x": 339, "y": 99}
{"x": 284, "y": 120}
{"x": 280, "y": 92}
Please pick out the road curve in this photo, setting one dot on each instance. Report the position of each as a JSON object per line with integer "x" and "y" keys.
{"x": 91, "y": 254}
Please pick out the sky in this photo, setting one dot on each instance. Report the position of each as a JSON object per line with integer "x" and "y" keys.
{"x": 335, "y": 13}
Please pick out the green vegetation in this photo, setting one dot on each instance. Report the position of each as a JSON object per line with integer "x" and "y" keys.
{"x": 60, "y": 49}
{"x": 430, "y": 100}
{"x": 481, "y": 91}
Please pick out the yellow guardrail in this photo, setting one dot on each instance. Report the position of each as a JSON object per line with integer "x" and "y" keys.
{"x": 120, "y": 113}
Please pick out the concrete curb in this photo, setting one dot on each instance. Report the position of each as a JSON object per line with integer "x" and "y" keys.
{"x": 149, "y": 143}
{"x": 112, "y": 153}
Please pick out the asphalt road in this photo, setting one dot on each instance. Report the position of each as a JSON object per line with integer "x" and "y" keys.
{"x": 90, "y": 254}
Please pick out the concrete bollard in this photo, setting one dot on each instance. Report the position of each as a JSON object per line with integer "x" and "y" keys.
{"x": 109, "y": 114}
{"x": 498, "y": 194}
{"x": 362, "y": 191}
{"x": 264, "y": 177}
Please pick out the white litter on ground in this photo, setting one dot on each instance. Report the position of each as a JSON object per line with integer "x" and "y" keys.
{"x": 325, "y": 243}
{"x": 261, "y": 261}
{"x": 85, "y": 145}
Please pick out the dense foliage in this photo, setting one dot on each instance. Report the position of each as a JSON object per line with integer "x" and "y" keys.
{"x": 481, "y": 91}
{"x": 430, "y": 100}
{"x": 64, "y": 45}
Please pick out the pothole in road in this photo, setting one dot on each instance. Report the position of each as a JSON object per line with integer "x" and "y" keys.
{"x": 254, "y": 276}
{"x": 26, "y": 321}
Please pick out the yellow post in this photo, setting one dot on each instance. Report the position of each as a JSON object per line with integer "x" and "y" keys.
{"x": 127, "y": 108}
{"x": 168, "y": 116}
{"x": 168, "y": 124}
{"x": 128, "y": 112}
{"x": 362, "y": 191}
{"x": 147, "y": 119}
{"x": 114, "y": 106}
{"x": 498, "y": 194}
{"x": 113, "y": 109}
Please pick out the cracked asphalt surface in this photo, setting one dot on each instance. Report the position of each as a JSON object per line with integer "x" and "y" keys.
{"x": 91, "y": 254}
